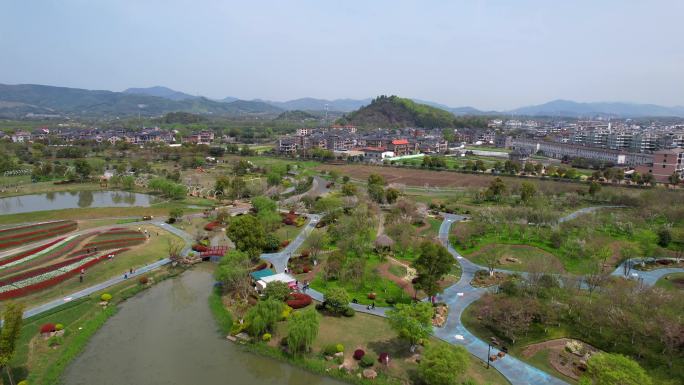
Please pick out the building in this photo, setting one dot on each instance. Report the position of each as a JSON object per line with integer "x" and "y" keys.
{"x": 665, "y": 164}
{"x": 520, "y": 156}
{"x": 502, "y": 141}
{"x": 570, "y": 151}
{"x": 21, "y": 137}
{"x": 376, "y": 154}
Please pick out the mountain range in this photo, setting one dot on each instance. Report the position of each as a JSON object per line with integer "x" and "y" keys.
{"x": 22, "y": 100}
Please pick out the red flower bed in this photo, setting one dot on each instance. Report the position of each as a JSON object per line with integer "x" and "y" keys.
{"x": 53, "y": 281}
{"x": 299, "y": 300}
{"x": 29, "y": 252}
{"x": 46, "y": 224}
{"x": 358, "y": 354}
{"x": 41, "y": 270}
{"x": 34, "y": 232}
{"x": 35, "y": 238}
{"x": 48, "y": 328}
{"x": 199, "y": 248}
{"x": 212, "y": 226}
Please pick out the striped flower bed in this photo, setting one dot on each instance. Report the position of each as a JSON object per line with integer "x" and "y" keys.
{"x": 50, "y": 278}
{"x": 17, "y": 261}
{"x": 63, "y": 249}
{"x": 38, "y": 249}
{"x": 22, "y": 238}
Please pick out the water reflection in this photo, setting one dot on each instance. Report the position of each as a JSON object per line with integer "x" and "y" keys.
{"x": 73, "y": 199}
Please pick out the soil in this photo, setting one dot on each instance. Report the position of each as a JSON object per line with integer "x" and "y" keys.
{"x": 407, "y": 286}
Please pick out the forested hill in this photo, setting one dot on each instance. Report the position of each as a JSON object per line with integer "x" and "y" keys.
{"x": 394, "y": 112}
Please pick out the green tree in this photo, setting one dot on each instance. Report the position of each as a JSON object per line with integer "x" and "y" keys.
{"x": 83, "y": 168}
{"x": 375, "y": 179}
{"x": 277, "y": 290}
{"x": 302, "y": 330}
{"x": 432, "y": 265}
{"x": 391, "y": 195}
{"x": 664, "y": 237}
{"x": 348, "y": 189}
{"x": 443, "y": 364}
{"x": 614, "y": 369}
{"x": 336, "y": 300}
{"x": 496, "y": 189}
{"x": 412, "y": 322}
{"x": 248, "y": 235}
{"x": 594, "y": 187}
{"x": 176, "y": 213}
{"x": 263, "y": 316}
{"x": 376, "y": 193}
{"x": 262, "y": 204}
{"x": 527, "y": 191}
{"x": 675, "y": 178}
{"x": 11, "y": 328}
{"x": 233, "y": 273}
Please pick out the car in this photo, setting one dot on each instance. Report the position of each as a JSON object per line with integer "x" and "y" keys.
{"x": 147, "y": 217}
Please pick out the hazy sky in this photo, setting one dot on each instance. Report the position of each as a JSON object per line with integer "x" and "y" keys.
{"x": 495, "y": 54}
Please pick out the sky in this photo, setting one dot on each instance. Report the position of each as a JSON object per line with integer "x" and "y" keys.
{"x": 497, "y": 54}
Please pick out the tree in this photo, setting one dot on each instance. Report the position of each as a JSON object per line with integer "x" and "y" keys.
{"x": 233, "y": 273}
{"x": 176, "y": 213}
{"x": 391, "y": 195}
{"x": 315, "y": 243}
{"x": 674, "y": 179}
{"x": 334, "y": 175}
{"x": 262, "y": 204}
{"x": 443, "y": 364}
{"x": 11, "y": 328}
{"x": 302, "y": 330}
{"x": 336, "y": 300}
{"x": 376, "y": 193}
{"x": 412, "y": 322}
{"x": 277, "y": 290}
{"x": 83, "y": 168}
{"x": 217, "y": 151}
{"x": 175, "y": 249}
{"x": 594, "y": 187}
{"x": 664, "y": 237}
{"x": 496, "y": 189}
{"x": 527, "y": 191}
{"x": 433, "y": 263}
{"x": 375, "y": 179}
{"x": 263, "y": 316}
{"x": 247, "y": 234}
{"x": 348, "y": 189}
{"x": 614, "y": 369}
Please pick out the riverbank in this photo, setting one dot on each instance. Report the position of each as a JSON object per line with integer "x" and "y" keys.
{"x": 39, "y": 363}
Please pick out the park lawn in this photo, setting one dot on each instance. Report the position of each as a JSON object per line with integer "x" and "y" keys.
{"x": 674, "y": 281}
{"x": 152, "y": 250}
{"x": 535, "y": 335}
{"x": 372, "y": 282}
{"x": 81, "y": 318}
{"x": 374, "y": 335}
{"x": 92, "y": 223}
{"x": 528, "y": 256}
{"x": 287, "y": 233}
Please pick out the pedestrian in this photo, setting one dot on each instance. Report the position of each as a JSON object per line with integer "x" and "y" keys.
{"x": 131, "y": 271}
{"x": 80, "y": 278}
{"x": 125, "y": 275}
{"x": 373, "y": 305}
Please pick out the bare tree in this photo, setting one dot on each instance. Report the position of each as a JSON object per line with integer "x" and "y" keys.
{"x": 175, "y": 249}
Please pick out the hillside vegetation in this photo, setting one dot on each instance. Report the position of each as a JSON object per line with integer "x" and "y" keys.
{"x": 395, "y": 112}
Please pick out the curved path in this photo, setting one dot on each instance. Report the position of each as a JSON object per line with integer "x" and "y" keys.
{"x": 585, "y": 210}
{"x": 649, "y": 277}
{"x": 279, "y": 259}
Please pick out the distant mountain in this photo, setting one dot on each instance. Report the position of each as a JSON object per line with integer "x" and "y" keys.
{"x": 297, "y": 116}
{"x": 568, "y": 108}
{"x": 393, "y": 111}
{"x": 161, "y": 92}
{"x": 312, "y": 104}
{"x": 18, "y": 100}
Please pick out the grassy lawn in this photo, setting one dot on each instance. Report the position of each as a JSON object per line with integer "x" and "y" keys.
{"x": 81, "y": 318}
{"x": 374, "y": 335}
{"x": 674, "y": 281}
{"x": 288, "y": 232}
{"x": 536, "y": 335}
{"x": 371, "y": 283}
{"x": 528, "y": 257}
{"x": 91, "y": 223}
{"x": 154, "y": 249}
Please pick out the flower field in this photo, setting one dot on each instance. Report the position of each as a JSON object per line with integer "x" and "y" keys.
{"x": 21, "y": 235}
{"x": 46, "y": 265}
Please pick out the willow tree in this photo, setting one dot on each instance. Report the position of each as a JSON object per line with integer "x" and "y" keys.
{"x": 11, "y": 327}
{"x": 302, "y": 330}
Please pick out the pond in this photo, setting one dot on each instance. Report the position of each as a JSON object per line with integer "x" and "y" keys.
{"x": 167, "y": 335}
{"x": 74, "y": 199}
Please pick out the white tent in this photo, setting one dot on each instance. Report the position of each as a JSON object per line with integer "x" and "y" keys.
{"x": 280, "y": 277}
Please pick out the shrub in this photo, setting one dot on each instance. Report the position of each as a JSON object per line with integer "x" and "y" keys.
{"x": 349, "y": 312}
{"x": 48, "y": 328}
{"x": 286, "y": 313}
{"x": 358, "y": 354}
{"x": 367, "y": 361}
{"x": 106, "y": 297}
{"x": 299, "y": 300}
{"x": 266, "y": 337}
{"x": 23, "y": 382}
{"x": 339, "y": 348}
{"x": 384, "y": 357}
{"x": 143, "y": 280}
{"x": 55, "y": 341}
{"x": 329, "y": 350}
{"x": 59, "y": 327}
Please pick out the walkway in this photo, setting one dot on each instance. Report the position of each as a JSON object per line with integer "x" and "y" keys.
{"x": 585, "y": 210}
{"x": 279, "y": 259}
{"x": 649, "y": 277}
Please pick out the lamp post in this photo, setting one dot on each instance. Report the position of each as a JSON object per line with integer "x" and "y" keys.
{"x": 489, "y": 349}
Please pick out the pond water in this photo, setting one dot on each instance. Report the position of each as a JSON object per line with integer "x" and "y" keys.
{"x": 72, "y": 200}
{"x": 167, "y": 335}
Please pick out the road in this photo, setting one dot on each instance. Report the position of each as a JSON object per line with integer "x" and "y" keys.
{"x": 279, "y": 259}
